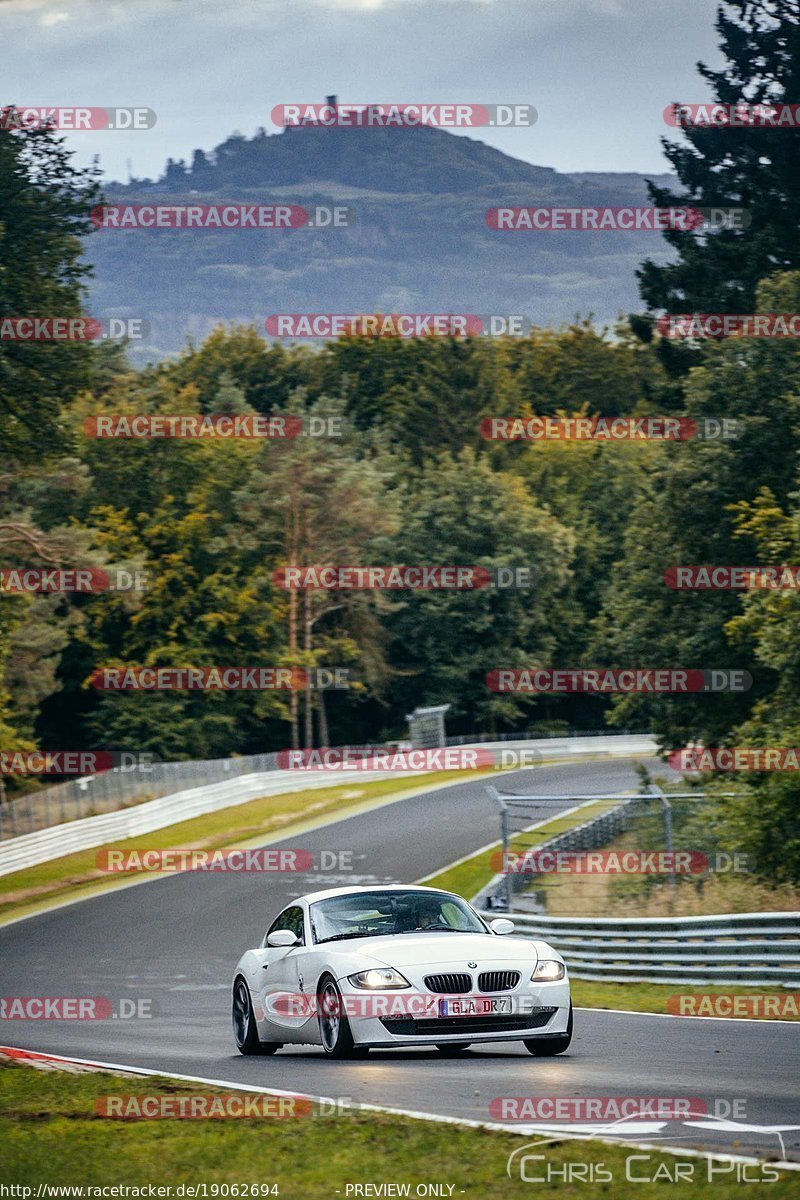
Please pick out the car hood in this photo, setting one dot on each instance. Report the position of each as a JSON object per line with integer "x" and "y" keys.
{"x": 421, "y": 949}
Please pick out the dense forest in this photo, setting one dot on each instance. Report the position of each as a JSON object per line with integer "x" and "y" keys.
{"x": 409, "y": 478}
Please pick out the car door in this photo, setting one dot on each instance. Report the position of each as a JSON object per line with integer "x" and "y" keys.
{"x": 288, "y": 1014}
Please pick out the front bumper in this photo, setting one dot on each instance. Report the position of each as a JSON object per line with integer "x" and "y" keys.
{"x": 540, "y": 1010}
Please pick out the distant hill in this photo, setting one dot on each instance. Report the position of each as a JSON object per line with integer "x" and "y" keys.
{"x": 419, "y": 242}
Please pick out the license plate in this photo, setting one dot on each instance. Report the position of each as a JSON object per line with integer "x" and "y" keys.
{"x": 476, "y": 1006}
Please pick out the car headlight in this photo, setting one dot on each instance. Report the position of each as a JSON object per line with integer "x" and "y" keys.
{"x": 382, "y": 977}
{"x": 548, "y": 970}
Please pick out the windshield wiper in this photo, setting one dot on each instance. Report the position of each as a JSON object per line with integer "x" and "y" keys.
{"x": 400, "y": 932}
{"x": 338, "y": 937}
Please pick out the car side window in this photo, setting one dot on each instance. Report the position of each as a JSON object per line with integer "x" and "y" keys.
{"x": 291, "y": 918}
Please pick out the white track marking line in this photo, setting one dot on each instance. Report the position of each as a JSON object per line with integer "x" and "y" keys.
{"x": 523, "y": 1131}
{"x": 634, "y": 1012}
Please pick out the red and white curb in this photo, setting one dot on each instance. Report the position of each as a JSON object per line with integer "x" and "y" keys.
{"x": 47, "y": 1062}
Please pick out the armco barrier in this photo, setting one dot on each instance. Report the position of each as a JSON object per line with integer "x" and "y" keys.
{"x": 46, "y": 844}
{"x": 588, "y": 835}
{"x": 91, "y": 795}
{"x": 759, "y": 949}
{"x": 29, "y": 849}
{"x": 122, "y": 787}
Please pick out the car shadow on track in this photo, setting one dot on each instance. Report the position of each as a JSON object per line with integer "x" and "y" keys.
{"x": 410, "y": 1054}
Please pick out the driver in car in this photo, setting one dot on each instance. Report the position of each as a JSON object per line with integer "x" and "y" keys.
{"x": 420, "y": 915}
{"x": 428, "y": 913}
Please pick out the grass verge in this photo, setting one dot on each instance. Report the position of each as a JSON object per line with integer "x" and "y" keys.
{"x": 654, "y": 997}
{"x": 468, "y": 877}
{"x": 52, "y": 1135}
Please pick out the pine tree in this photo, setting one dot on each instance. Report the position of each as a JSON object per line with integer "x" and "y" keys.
{"x": 45, "y": 203}
{"x": 754, "y": 168}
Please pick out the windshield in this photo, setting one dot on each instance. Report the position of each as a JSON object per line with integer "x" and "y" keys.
{"x": 375, "y": 914}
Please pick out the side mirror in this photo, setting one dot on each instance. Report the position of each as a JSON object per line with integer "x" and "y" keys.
{"x": 502, "y": 925}
{"x": 283, "y": 937}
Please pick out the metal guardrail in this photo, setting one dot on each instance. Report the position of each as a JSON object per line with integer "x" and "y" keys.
{"x": 589, "y": 835}
{"x": 475, "y": 739}
{"x": 109, "y": 791}
{"x": 759, "y": 949}
{"x": 45, "y": 844}
{"x": 91, "y": 795}
{"x": 235, "y": 787}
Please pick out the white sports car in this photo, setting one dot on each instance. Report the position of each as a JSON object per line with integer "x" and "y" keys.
{"x": 350, "y": 968}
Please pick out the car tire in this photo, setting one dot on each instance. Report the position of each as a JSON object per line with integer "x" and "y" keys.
{"x": 334, "y": 1028}
{"x": 245, "y": 1030}
{"x": 546, "y": 1047}
{"x": 451, "y": 1049}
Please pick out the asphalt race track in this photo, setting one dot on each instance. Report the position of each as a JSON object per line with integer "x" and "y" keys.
{"x": 176, "y": 940}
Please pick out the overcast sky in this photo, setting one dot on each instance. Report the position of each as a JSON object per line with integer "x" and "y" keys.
{"x": 599, "y": 72}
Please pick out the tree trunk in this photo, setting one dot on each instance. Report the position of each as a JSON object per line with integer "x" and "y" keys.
{"x": 292, "y": 536}
{"x": 307, "y": 641}
{"x": 293, "y": 707}
{"x": 324, "y": 736}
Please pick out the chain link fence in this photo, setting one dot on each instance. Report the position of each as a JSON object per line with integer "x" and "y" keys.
{"x": 91, "y": 795}
{"x": 652, "y": 821}
{"x": 121, "y": 787}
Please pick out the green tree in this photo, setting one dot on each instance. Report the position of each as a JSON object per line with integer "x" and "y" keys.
{"x": 765, "y": 820}
{"x": 44, "y": 206}
{"x": 317, "y": 501}
{"x": 44, "y": 214}
{"x": 751, "y": 168}
{"x": 686, "y": 515}
{"x": 459, "y": 511}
